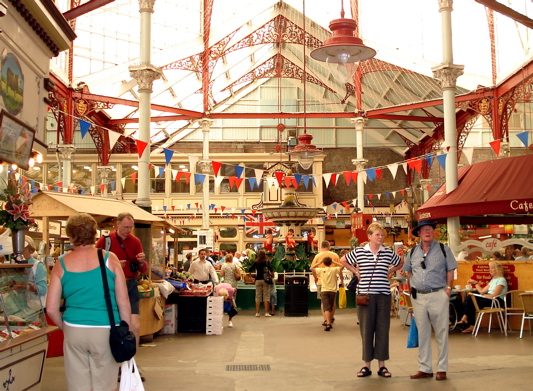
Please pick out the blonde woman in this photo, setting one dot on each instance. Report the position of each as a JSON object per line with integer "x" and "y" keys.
{"x": 497, "y": 286}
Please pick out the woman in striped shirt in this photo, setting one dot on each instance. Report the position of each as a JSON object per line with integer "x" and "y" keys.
{"x": 374, "y": 264}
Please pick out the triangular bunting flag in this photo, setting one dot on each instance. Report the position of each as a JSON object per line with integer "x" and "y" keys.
{"x": 347, "y": 177}
{"x": 141, "y": 146}
{"x": 378, "y": 172}
{"x": 239, "y": 170}
{"x": 84, "y": 127}
{"x": 168, "y": 155}
{"x": 429, "y": 158}
{"x": 326, "y": 178}
{"x": 496, "y": 144}
{"x": 415, "y": 164}
{"x": 279, "y": 177}
{"x": 442, "y": 160}
{"x": 161, "y": 171}
{"x": 524, "y": 137}
{"x": 199, "y": 179}
{"x": 216, "y": 167}
{"x": 134, "y": 177}
{"x": 334, "y": 179}
{"x": 393, "y": 168}
{"x": 469, "y": 153}
{"x": 371, "y": 174}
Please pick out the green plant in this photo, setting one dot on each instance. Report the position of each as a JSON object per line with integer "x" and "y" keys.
{"x": 246, "y": 264}
{"x": 16, "y": 209}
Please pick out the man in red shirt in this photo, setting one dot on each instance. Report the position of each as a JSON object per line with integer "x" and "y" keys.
{"x": 129, "y": 251}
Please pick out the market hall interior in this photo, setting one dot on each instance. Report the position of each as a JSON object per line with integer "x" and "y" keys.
{"x": 294, "y": 353}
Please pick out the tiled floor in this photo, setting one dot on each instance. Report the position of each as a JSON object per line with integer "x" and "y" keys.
{"x": 302, "y": 356}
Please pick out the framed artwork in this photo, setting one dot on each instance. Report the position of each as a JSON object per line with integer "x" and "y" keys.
{"x": 16, "y": 140}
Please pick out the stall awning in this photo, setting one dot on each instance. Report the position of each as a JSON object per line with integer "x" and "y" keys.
{"x": 63, "y": 205}
{"x": 501, "y": 189}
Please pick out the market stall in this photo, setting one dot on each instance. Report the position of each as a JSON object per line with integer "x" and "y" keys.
{"x": 150, "y": 229}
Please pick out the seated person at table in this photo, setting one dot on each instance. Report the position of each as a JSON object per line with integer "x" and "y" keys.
{"x": 496, "y": 286}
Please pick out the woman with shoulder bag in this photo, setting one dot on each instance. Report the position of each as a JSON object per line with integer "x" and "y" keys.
{"x": 372, "y": 264}
{"x": 77, "y": 276}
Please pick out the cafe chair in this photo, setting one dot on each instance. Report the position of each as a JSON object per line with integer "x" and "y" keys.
{"x": 409, "y": 305}
{"x": 527, "y": 303}
{"x": 480, "y": 312}
{"x": 512, "y": 306}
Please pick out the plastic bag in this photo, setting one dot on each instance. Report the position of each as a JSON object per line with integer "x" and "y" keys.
{"x": 412, "y": 337}
{"x": 342, "y": 297}
{"x": 165, "y": 287}
{"x": 130, "y": 380}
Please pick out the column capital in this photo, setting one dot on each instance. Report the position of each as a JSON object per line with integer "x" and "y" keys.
{"x": 445, "y": 5}
{"x": 360, "y": 164}
{"x": 104, "y": 171}
{"x": 448, "y": 74}
{"x": 67, "y": 150}
{"x": 206, "y": 124}
{"x": 359, "y": 122}
{"x": 146, "y": 6}
{"x": 145, "y": 76}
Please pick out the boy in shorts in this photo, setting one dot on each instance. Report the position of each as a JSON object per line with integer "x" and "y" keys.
{"x": 328, "y": 276}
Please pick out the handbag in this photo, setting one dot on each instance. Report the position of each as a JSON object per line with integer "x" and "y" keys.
{"x": 121, "y": 339}
{"x": 412, "y": 337}
{"x": 237, "y": 273}
{"x": 266, "y": 275}
{"x": 362, "y": 300}
{"x": 342, "y": 297}
{"x": 130, "y": 379}
{"x": 352, "y": 285}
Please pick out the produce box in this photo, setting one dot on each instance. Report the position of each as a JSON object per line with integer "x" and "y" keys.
{"x": 171, "y": 321}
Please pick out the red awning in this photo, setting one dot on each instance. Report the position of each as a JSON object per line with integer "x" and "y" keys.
{"x": 498, "y": 187}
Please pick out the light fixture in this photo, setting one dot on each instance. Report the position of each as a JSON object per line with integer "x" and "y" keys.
{"x": 305, "y": 152}
{"x": 343, "y": 51}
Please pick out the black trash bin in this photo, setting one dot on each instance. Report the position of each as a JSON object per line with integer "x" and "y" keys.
{"x": 296, "y": 295}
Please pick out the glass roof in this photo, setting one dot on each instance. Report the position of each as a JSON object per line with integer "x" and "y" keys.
{"x": 407, "y": 38}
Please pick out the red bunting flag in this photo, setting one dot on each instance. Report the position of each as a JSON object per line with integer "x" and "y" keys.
{"x": 178, "y": 175}
{"x": 288, "y": 181}
{"x": 347, "y": 177}
{"x": 402, "y": 191}
{"x": 370, "y": 196}
{"x": 141, "y": 146}
{"x": 59, "y": 184}
{"x": 415, "y": 164}
{"x": 294, "y": 183}
{"x": 222, "y": 208}
{"x": 496, "y": 144}
{"x": 279, "y": 177}
{"x": 334, "y": 179}
{"x": 216, "y": 209}
{"x": 173, "y": 207}
{"x": 378, "y": 172}
{"x": 134, "y": 177}
{"x": 102, "y": 188}
{"x": 254, "y": 212}
{"x": 354, "y": 176}
{"x": 187, "y": 177}
{"x": 216, "y": 167}
{"x": 196, "y": 203}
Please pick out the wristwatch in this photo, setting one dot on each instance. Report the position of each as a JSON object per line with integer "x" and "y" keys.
{"x": 448, "y": 287}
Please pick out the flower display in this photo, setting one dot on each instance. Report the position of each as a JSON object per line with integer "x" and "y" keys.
{"x": 15, "y": 213}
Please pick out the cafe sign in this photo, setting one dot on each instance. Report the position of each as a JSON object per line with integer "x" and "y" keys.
{"x": 491, "y": 244}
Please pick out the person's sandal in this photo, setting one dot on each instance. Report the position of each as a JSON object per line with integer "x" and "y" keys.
{"x": 328, "y": 327}
{"x": 383, "y": 371}
{"x": 364, "y": 372}
{"x": 324, "y": 323}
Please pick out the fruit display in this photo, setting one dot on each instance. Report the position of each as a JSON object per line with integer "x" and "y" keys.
{"x": 145, "y": 285}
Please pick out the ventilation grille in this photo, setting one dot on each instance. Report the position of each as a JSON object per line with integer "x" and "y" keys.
{"x": 253, "y": 367}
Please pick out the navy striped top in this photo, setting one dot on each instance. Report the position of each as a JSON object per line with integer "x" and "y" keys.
{"x": 365, "y": 258}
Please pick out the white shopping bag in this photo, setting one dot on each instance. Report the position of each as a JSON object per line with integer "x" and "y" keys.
{"x": 130, "y": 380}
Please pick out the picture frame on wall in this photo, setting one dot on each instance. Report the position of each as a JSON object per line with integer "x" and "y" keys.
{"x": 16, "y": 140}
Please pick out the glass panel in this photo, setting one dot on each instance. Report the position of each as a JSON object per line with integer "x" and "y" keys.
{"x": 158, "y": 255}
{"x": 157, "y": 179}
{"x": 227, "y": 186}
{"x": 130, "y": 172}
{"x": 181, "y": 185}
{"x": 81, "y": 177}
{"x": 52, "y": 175}
{"x": 228, "y": 232}
{"x": 229, "y": 247}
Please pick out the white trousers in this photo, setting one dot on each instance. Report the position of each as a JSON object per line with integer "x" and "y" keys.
{"x": 431, "y": 310}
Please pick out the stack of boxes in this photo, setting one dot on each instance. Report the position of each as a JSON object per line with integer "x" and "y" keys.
{"x": 215, "y": 313}
{"x": 171, "y": 321}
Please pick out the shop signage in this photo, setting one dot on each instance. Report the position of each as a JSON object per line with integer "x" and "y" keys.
{"x": 481, "y": 273}
{"x": 491, "y": 244}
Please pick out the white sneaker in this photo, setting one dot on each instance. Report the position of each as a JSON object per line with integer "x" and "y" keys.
{"x": 267, "y": 314}
{"x": 257, "y": 315}
{"x": 230, "y": 324}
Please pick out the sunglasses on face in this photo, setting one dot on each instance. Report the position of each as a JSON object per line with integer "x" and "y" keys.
{"x": 423, "y": 263}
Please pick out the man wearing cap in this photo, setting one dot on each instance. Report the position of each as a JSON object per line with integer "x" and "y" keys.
{"x": 430, "y": 267}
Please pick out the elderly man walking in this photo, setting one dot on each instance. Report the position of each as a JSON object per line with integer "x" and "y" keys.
{"x": 430, "y": 267}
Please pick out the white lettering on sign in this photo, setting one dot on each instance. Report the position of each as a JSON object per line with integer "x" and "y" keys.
{"x": 491, "y": 244}
{"x": 426, "y": 215}
{"x": 524, "y": 206}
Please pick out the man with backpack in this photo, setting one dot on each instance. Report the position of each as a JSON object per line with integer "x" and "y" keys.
{"x": 430, "y": 267}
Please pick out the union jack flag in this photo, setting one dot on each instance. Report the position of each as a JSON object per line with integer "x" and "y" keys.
{"x": 256, "y": 225}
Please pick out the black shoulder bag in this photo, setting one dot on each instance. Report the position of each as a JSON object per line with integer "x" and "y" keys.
{"x": 360, "y": 299}
{"x": 121, "y": 339}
